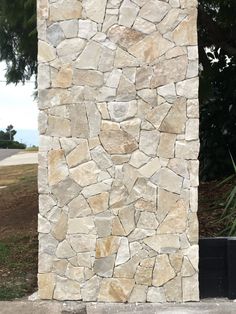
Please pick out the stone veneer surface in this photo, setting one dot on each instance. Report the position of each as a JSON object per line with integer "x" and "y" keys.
{"x": 118, "y": 168}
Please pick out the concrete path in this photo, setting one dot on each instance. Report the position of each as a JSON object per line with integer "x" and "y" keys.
{"x": 19, "y": 157}
{"x": 44, "y": 307}
{"x": 4, "y": 153}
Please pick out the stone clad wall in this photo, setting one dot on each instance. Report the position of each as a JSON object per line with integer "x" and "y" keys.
{"x": 118, "y": 169}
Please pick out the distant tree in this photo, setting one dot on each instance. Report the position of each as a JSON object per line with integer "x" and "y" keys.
{"x": 18, "y": 39}
{"x": 9, "y": 134}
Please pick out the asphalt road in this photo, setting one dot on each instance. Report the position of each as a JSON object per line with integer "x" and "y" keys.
{"x": 4, "y": 153}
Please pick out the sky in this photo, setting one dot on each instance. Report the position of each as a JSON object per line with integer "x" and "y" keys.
{"x": 17, "y": 104}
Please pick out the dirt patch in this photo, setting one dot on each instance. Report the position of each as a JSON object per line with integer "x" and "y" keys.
{"x": 18, "y": 231}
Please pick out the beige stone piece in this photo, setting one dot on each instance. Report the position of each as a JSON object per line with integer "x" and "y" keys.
{"x": 193, "y": 229}
{"x": 173, "y": 290}
{"x": 126, "y": 216}
{"x": 63, "y": 78}
{"x": 156, "y": 295}
{"x": 163, "y": 271}
{"x": 192, "y": 253}
{"x": 110, "y": 20}
{"x": 163, "y": 243}
{"x": 57, "y": 168}
{"x": 82, "y": 243}
{"x": 168, "y": 92}
{"x": 143, "y": 81}
{"x": 148, "y": 95}
{"x": 194, "y": 172}
{"x": 193, "y": 108}
{"x": 81, "y": 225}
{"x": 128, "y": 13}
{"x": 149, "y": 142}
{"x": 194, "y": 199}
{"x": 107, "y": 59}
{"x": 104, "y": 266}
{"x": 176, "y": 261}
{"x": 143, "y": 276}
{"x": 75, "y": 273}
{"x": 166, "y": 148}
{"x": 59, "y": 230}
{"x": 94, "y": 119}
{"x": 144, "y": 26}
{"x": 114, "y": 78}
{"x": 115, "y": 290}
{"x": 59, "y": 267}
{"x": 44, "y": 225}
{"x": 89, "y": 58}
{"x": 185, "y": 33}
{"x": 139, "y": 294}
{"x": 110, "y": 126}
{"x": 126, "y": 90}
{"x": 171, "y": 20}
{"x": 124, "y": 59}
{"x": 120, "y": 111}
{"x": 192, "y": 129}
{"x": 95, "y": 10}
{"x": 118, "y": 142}
{"x": 103, "y": 223}
{"x": 175, "y": 220}
{"x": 69, "y": 49}
{"x": 85, "y": 174}
{"x": 58, "y": 126}
{"x": 154, "y": 11}
{"x": 64, "y": 250}
{"x": 78, "y": 155}
{"x": 187, "y": 150}
{"x": 128, "y": 269}
{"x": 79, "y": 121}
{"x": 193, "y": 69}
{"x": 190, "y": 288}
{"x": 97, "y": 188}
{"x": 70, "y": 28}
{"x": 87, "y": 29}
{"x": 64, "y": 10}
{"x": 175, "y": 52}
{"x": 143, "y": 205}
{"x": 147, "y": 220}
{"x": 79, "y": 207}
{"x": 120, "y": 159}
{"x": 99, "y": 203}
{"x": 84, "y": 259}
{"x": 188, "y": 88}
{"x": 139, "y": 234}
{"x": 138, "y": 159}
{"x": 46, "y": 284}
{"x": 89, "y": 291}
{"x": 176, "y": 118}
{"x": 107, "y": 246}
{"x": 150, "y": 168}
{"x": 179, "y": 166}
{"x": 117, "y": 228}
{"x": 46, "y": 52}
{"x": 169, "y": 71}
{"x": 67, "y": 289}
{"x": 150, "y": 48}
{"x": 124, "y": 36}
{"x": 168, "y": 180}
{"x": 187, "y": 269}
{"x": 132, "y": 127}
{"x": 158, "y": 114}
{"x": 123, "y": 253}
{"x": 88, "y": 78}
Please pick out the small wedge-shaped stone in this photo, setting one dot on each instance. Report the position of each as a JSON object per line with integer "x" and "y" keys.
{"x": 123, "y": 254}
{"x": 85, "y": 174}
{"x": 107, "y": 246}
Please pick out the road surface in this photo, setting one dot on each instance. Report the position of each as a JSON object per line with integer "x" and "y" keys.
{"x": 4, "y": 153}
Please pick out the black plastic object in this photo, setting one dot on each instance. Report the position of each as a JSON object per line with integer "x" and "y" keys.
{"x": 217, "y": 267}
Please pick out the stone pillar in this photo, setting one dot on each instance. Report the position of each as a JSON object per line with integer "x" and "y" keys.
{"x": 118, "y": 168}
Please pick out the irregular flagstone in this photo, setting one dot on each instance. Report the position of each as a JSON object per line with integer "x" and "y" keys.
{"x": 123, "y": 253}
{"x": 85, "y": 174}
{"x": 120, "y": 111}
{"x": 150, "y": 48}
{"x": 57, "y": 167}
{"x": 154, "y": 11}
{"x": 118, "y": 142}
{"x": 158, "y": 114}
{"x": 115, "y": 290}
{"x": 168, "y": 180}
{"x": 163, "y": 271}
{"x": 163, "y": 243}
{"x": 107, "y": 246}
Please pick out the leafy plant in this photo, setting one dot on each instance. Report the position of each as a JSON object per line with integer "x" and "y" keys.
{"x": 229, "y": 213}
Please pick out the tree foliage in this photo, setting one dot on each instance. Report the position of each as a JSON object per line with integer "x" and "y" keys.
{"x": 18, "y": 39}
{"x": 9, "y": 134}
{"x": 217, "y": 31}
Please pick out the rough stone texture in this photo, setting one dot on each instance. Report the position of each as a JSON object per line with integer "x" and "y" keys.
{"x": 118, "y": 173}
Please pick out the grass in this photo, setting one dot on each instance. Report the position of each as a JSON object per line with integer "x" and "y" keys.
{"x": 18, "y": 231}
